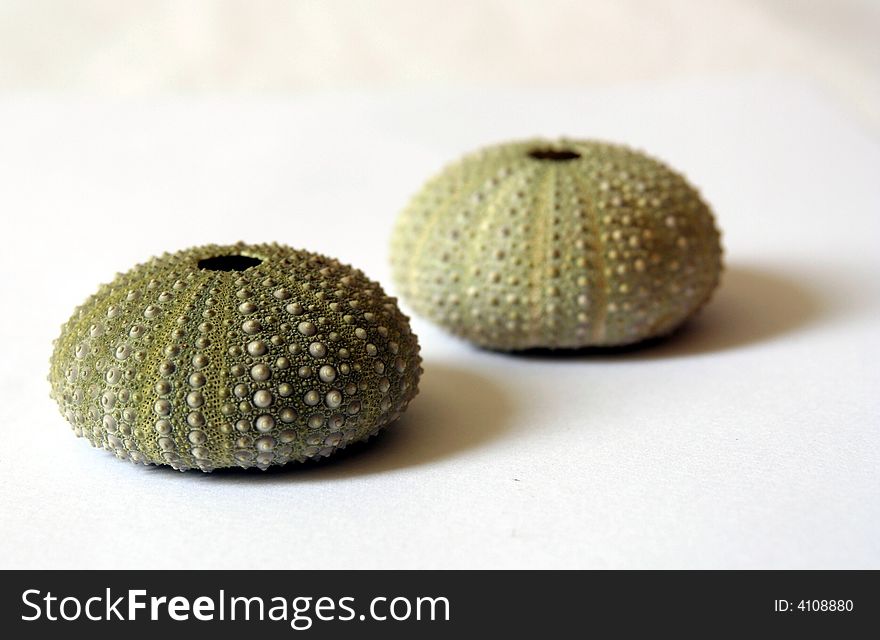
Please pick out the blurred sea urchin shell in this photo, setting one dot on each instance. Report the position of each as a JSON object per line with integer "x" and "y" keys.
{"x": 556, "y": 244}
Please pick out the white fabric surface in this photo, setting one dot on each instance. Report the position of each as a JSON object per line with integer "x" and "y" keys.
{"x": 750, "y": 439}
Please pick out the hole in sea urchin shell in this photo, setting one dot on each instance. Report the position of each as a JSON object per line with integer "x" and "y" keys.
{"x": 554, "y": 155}
{"x": 229, "y": 263}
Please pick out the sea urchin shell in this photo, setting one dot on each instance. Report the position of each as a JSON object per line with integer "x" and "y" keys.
{"x": 556, "y": 244}
{"x": 243, "y": 355}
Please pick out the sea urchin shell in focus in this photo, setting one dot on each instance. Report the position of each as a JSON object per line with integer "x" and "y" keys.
{"x": 242, "y": 355}
{"x": 556, "y": 244}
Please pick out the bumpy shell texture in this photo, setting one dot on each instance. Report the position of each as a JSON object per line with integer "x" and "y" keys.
{"x": 242, "y": 355}
{"x": 556, "y": 244}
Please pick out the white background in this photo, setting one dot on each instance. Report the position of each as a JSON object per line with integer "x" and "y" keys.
{"x": 161, "y": 47}
{"x": 750, "y": 439}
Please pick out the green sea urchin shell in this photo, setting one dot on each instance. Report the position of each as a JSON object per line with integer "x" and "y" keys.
{"x": 556, "y": 244}
{"x": 242, "y": 355}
